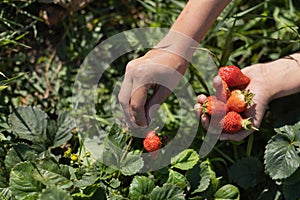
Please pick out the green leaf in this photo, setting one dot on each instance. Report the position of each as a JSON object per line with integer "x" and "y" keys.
{"x": 247, "y": 172}
{"x": 227, "y": 192}
{"x": 117, "y": 137}
{"x": 19, "y": 153}
{"x": 185, "y": 160}
{"x": 291, "y": 192}
{"x": 51, "y": 173}
{"x": 281, "y": 156}
{"x": 140, "y": 187}
{"x": 29, "y": 123}
{"x": 5, "y": 193}
{"x": 177, "y": 178}
{"x": 51, "y": 179}
{"x": 3, "y": 87}
{"x": 54, "y": 194}
{"x": 291, "y": 186}
{"x": 228, "y": 46}
{"x": 65, "y": 124}
{"x": 21, "y": 182}
{"x": 206, "y": 176}
{"x": 167, "y": 192}
{"x": 131, "y": 164}
{"x": 8, "y": 80}
{"x": 87, "y": 179}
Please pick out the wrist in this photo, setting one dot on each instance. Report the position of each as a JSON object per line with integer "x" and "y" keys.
{"x": 179, "y": 44}
{"x": 167, "y": 58}
{"x": 282, "y": 76}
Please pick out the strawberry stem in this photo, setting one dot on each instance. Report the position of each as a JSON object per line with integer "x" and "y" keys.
{"x": 247, "y": 124}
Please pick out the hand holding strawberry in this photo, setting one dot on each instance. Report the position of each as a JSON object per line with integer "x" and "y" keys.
{"x": 241, "y": 100}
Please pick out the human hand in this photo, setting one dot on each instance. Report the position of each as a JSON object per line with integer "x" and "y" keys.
{"x": 262, "y": 95}
{"x": 158, "y": 70}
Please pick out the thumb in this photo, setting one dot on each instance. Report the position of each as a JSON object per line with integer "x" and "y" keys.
{"x": 222, "y": 91}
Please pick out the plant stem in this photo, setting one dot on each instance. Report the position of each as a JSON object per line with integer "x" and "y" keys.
{"x": 250, "y": 145}
{"x": 224, "y": 155}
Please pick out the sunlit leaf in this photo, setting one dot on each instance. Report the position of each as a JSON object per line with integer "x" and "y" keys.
{"x": 21, "y": 182}
{"x": 140, "y": 187}
{"x": 167, "y": 191}
{"x": 185, "y": 160}
{"x": 54, "y": 193}
{"x": 281, "y": 156}
{"x": 29, "y": 123}
{"x": 227, "y": 192}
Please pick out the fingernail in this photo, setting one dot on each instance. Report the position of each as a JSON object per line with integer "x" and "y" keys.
{"x": 217, "y": 79}
{"x": 197, "y": 106}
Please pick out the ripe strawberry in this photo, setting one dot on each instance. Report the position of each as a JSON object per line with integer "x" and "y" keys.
{"x": 233, "y": 123}
{"x": 152, "y": 143}
{"x": 223, "y": 92}
{"x": 213, "y": 106}
{"x": 234, "y": 77}
{"x": 239, "y": 100}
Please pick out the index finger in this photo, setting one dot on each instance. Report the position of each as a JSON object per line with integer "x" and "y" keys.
{"x": 124, "y": 97}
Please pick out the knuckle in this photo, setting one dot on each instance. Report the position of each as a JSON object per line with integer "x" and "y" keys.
{"x": 131, "y": 65}
{"x": 120, "y": 98}
{"x": 135, "y": 107}
{"x": 139, "y": 72}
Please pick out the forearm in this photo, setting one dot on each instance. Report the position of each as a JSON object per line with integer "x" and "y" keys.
{"x": 191, "y": 26}
{"x": 284, "y": 76}
{"x": 198, "y": 16}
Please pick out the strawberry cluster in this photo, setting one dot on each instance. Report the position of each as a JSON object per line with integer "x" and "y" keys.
{"x": 231, "y": 100}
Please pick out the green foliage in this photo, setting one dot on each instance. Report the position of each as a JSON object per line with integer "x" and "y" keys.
{"x": 282, "y": 152}
{"x": 30, "y": 123}
{"x": 141, "y": 187}
{"x": 247, "y": 172}
{"x": 185, "y": 160}
{"x": 227, "y": 192}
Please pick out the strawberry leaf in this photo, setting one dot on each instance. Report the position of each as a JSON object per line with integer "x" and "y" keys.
{"x": 281, "y": 155}
{"x": 177, "y": 178}
{"x": 291, "y": 186}
{"x": 29, "y": 123}
{"x": 227, "y": 192}
{"x": 21, "y": 182}
{"x": 247, "y": 172}
{"x": 54, "y": 193}
{"x": 207, "y": 177}
{"x": 185, "y": 160}
{"x": 19, "y": 153}
{"x": 140, "y": 187}
{"x": 64, "y": 124}
{"x": 131, "y": 164}
{"x": 167, "y": 191}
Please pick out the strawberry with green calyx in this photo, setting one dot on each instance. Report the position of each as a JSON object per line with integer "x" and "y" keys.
{"x": 233, "y": 123}
{"x": 234, "y": 77}
{"x": 152, "y": 144}
{"x": 213, "y": 106}
{"x": 239, "y": 100}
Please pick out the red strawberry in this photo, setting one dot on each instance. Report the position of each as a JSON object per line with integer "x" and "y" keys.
{"x": 213, "y": 106}
{"x": 152, "y": 143}
{"x": 233, "y": 123}
{"x": 234, "y": 77}
{"x": 239, "y": 100}
{"x": 223, "y": 91}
